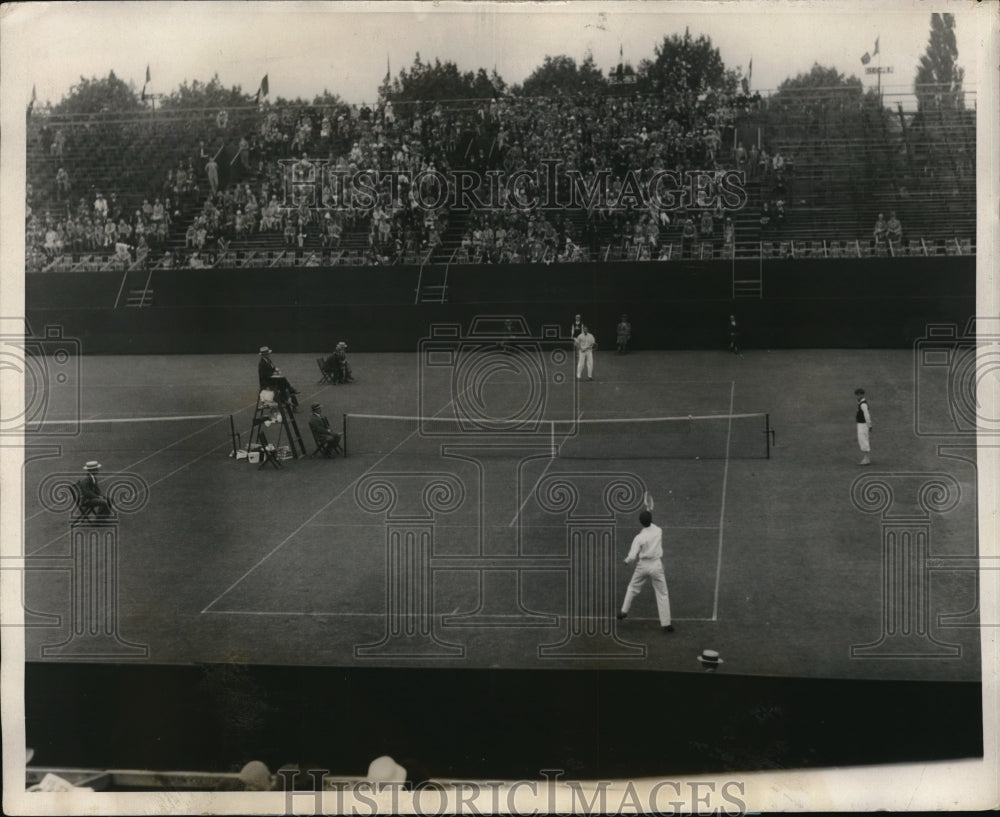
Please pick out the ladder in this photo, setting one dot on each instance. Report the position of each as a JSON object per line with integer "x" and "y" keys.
{"x": 750, "y": 284}
{"x": 265, "y": 412}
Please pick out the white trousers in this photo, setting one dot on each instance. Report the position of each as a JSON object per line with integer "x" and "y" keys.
{"x": 863, "y": 441}
{"x": 585, "y": 358}
{"x": 649, "y": 570}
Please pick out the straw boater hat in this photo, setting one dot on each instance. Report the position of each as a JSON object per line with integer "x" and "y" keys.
{"x": 710, "y": 658}
{"x": 93, "y": 465}
{"x": 265, "y": 350}
{"x": 316, "y": 407}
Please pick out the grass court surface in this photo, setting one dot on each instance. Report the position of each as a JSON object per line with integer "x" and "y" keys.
{"x": 768, "y": 561}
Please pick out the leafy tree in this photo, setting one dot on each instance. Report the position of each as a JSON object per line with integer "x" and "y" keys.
{"x": 211, "y": 95}
{"x": 938, "y": 83}
{"x": 561, "y": 75}
{"x": 108, "y": 95}
{"x": 687, "y": 68}
{"x": 820, "y": 84}
{"x": 440, "y": 80}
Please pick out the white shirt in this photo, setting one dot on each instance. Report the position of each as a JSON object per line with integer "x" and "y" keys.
{"x": 648, "y": 544}
{"x": 584, "y": 341}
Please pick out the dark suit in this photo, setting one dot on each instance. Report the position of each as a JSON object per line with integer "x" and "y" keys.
{"x": 264, "y": 371}
{"x": 327, "y": 440}
{"x": 89, "y": 496}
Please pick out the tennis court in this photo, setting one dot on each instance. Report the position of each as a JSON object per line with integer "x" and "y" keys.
{"x": 767, "y": 558}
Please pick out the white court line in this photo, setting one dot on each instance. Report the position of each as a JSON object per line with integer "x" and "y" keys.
{"x": 722, "y": 513}
{"x": 156, "y": 418}
{"x": 531, "y": 493}
{"x": 420, "y": 615}
{"x": 295, "y": 532}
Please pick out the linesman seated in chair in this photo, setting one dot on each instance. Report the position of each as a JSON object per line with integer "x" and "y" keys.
{"x": 327, "y": 440}
{"x": 337, "y": 367}
{"x": 88, "y": 493}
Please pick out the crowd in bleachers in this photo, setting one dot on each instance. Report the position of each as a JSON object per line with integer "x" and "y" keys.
{"x": 234, "y": 182}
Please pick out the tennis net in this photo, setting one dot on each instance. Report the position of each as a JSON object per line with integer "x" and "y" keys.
{"x": 706, "y": 436}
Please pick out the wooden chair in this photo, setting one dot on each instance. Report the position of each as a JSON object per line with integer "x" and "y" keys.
{"x": 325, "y": 376}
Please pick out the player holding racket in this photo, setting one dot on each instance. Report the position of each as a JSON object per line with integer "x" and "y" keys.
{"x": 647, "y": 553}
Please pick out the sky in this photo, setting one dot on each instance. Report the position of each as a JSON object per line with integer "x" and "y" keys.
{"x": 306, "y": 47}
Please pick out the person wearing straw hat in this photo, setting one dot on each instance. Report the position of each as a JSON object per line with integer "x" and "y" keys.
{"x": 710, "y": 660}
{"x": 341, "y": 368}
{"x": 647, "y": 553}
{"x": 88, "y": 492}
{"x": 270, "y": 377}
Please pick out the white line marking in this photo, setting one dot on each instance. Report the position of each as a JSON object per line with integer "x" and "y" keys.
{"x": 722, "y": 512}
{"x": 156, "y": 418}
{"x": 295, "y": 532}
{"x": 418, "y": 615}
{"x": 531, "y": 493}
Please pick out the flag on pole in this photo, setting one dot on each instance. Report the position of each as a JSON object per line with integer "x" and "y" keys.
{"x": 34, "y": 96}
{"x": 875, "y": 52}
{"x": 866, "y": 58}
{"x": 745, "y": 82}
{"x": 263, "y": 86}
{"x": 148, "y": 78}
{"x": 388, "y": 72}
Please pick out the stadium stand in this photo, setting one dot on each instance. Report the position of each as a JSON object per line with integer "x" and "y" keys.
{"x": 245, "y": 187}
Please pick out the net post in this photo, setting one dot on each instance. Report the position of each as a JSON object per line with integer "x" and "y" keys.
{"x": 767, "y": 435}
{"x": 343, "y": 433}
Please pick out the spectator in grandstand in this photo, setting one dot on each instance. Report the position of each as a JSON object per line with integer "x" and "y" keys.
{"x": 894, "y": 230}
{"x": 585, "y": 344}
{"x": 863, "y": 421}
{"x": 623, "y": 334}
{"x": 741, "y": 157}
{"x": 62, "y": 183}
{"x": 212, "y": 171}
{"x": 779, "y": 213}
{"x": 688, "y": 236}
{"x": 58, "y": 144}
{"x": 707, "y": 226}
{"x": 880, "y": 231}
{"x": 327, "y": 440}
{"x": 647, "y": 553}
{"x": 576, "y": 327}
{"x": 729, "y": 233}
{"x": 100, "y": 207}
{"x": 765, "y": 218}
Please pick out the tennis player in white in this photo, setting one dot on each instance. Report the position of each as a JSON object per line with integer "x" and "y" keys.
{"x": 647, "y": 553}
{"x": 585, "y": 344}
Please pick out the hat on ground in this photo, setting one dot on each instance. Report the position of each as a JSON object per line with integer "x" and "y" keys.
{"x": 386, "y": 770}
{"x": 710, "y": 658}
{"x": 316, "y": 407}
{"x": 92, "y": 465}
{"x": 265, "y": 350}
{"x": 256, "y": 776}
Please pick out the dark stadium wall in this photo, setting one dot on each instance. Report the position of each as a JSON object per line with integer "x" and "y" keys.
{"x": 806, "y": 303}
